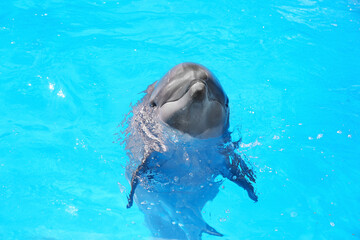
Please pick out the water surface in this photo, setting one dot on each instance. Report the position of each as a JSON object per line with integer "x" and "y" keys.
{"x": 70, "y": 69}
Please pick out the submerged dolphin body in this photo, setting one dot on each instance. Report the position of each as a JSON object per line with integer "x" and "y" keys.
{"x": 178, "y": 142}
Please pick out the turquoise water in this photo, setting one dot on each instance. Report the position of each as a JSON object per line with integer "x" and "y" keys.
{"x": 70, "y": 69}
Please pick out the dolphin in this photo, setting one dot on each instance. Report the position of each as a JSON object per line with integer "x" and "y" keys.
{"x": 178, "y": 143}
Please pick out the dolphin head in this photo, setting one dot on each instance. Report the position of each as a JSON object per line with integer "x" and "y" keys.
{"x": 190, "y": 99}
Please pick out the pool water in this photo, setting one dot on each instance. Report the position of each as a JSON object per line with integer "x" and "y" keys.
{"x": 70, "y": 69}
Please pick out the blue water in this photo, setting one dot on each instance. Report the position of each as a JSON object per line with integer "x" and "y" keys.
{"x": 70, "y": 69}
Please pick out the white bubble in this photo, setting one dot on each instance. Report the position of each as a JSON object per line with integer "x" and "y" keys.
{"x": 72, "y": 210}
{"x": 61, "y": 94}
{"x": 320, "y": 135}
{"x": 293, "y": 214}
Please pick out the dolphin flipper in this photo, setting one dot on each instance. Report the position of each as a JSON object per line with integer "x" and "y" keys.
{"x": 211, "y": 231}
{"x": 134, "y": 183}
{"x": 145, "y": 167}
{"x": 238, "y": 172}
{"x": 141, "y": 169}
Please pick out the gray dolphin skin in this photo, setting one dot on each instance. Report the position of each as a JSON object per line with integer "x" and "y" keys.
{"x": 189, "y": 98}
{"x": 178, "y": 144}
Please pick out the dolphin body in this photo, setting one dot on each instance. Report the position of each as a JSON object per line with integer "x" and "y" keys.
{"x": 178, "y": 143}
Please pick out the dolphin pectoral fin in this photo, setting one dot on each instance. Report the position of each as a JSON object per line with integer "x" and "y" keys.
{"x": 237, "y": 171}
{"x": 242, "y": 182}
{"x": 211, "y": 231}
{"x": 142, "y": 168}
{"x": 237, "y": 177}
{"x": 134, "y": 183}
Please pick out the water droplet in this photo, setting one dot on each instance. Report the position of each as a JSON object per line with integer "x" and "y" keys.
{"x": 61, "y": 94}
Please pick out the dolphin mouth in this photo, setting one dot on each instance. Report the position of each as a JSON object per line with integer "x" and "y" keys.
{"x": 198, "y": 90}
{"x": 196, "y": 82}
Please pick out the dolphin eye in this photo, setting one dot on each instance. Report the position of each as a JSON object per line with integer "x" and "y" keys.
{"x": 227, "y": 103}
{"x": 152, "y": 104}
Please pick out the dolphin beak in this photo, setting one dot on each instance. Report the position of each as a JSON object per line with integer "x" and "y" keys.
{"x": 198, "y": 91}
